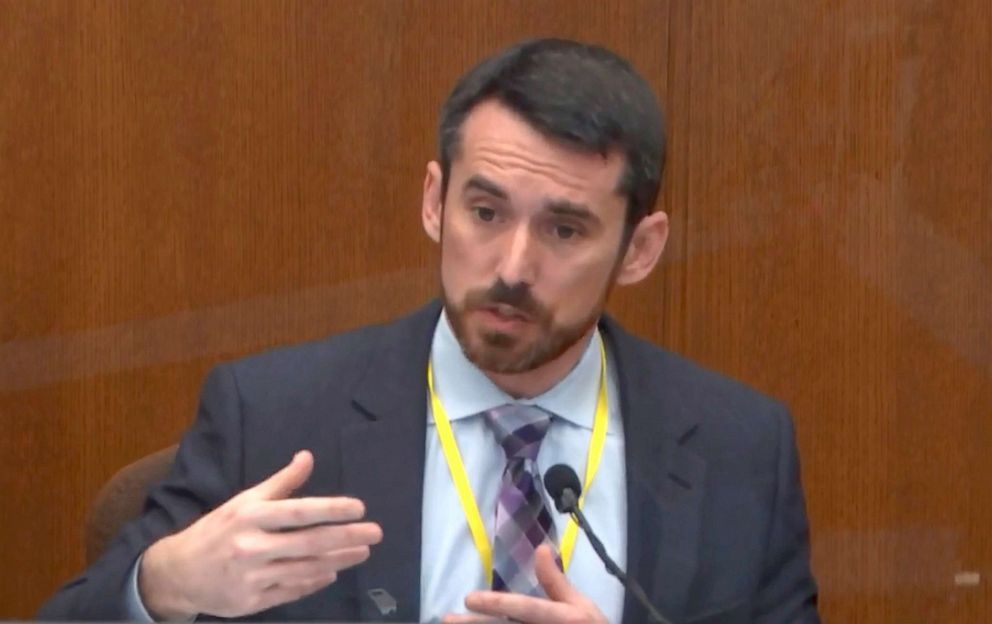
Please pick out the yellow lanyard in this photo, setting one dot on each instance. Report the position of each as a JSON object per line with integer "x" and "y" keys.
{"x": 464, "y": 489}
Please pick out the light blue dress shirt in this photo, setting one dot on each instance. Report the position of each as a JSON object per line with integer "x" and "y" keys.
{"x": 136, "y": 611}
{"x": 450, "y": 566}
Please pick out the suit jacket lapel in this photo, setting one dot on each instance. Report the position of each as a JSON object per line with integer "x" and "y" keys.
{"x": 383, "y": 461}
{"x": 665, "y": 480}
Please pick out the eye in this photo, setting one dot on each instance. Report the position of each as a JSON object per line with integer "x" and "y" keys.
{"x": 485, "y": 213}
{"x": 565, "y": 232}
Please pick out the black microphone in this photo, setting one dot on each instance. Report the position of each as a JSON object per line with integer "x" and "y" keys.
{"x": 564, "y": 487}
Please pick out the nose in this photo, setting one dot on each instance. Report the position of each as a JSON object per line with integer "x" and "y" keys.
{"x": 519, "y": 261}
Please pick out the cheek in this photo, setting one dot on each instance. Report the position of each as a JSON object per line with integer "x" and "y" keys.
{"x": 463, "y": 261}
{"x": 575, "y": 289}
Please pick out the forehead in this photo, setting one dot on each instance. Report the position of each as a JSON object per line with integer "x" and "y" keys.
{"x": 495, "y": 141}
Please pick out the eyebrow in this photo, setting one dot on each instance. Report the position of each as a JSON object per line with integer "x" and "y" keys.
{"x": 565, "y": 208}
{"x": 559, "y": 207}
{"x": 485, "y": 185}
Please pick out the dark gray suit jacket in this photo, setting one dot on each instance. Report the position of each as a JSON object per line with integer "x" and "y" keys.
{"x": 716, "y": 526}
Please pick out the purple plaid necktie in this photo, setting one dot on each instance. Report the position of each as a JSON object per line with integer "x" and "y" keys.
{"x": 523, "y": 521}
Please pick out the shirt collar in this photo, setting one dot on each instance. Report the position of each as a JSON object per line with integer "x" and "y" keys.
{"x": 465, "y": 391}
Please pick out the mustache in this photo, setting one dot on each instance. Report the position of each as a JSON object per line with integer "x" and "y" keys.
{"x": 518, "y": 295}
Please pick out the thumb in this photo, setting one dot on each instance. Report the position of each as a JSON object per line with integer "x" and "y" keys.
{"x": 551, "y": 578}
{"x": 286, "y": 481}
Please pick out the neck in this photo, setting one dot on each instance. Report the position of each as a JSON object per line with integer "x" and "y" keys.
{"x": 541, "y": 379}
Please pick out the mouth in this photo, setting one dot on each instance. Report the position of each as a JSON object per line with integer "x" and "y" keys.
{"x": 503, "y": 315}
{"x": 507, "y": 311}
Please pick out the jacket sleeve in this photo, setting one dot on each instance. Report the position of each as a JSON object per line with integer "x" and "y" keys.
{"x": 787, "y": 592}
{"x": 207, "y": 471}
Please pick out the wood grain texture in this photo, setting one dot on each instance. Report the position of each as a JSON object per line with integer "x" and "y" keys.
{"x": 187, "y": 182}
{"x": 838, "y": 256}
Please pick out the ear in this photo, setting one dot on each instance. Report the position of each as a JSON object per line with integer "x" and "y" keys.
{"x": 431, "y": 210}
{"x": 646, "y": 244}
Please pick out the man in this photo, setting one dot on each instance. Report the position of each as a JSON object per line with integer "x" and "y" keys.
{"x": 403, "y": 462}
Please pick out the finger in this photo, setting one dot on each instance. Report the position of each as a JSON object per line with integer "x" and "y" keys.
{"x": 281, "y": 594}
{"x": 286, "y": 481}
{"x": 348, "y": 557}
{"x": 313, "y": 541}
{"x": 302, "y": 512}
{"x": 294, "y": 571}
{"x": 551, "y": 578}
{"x": 520, "y": 607}
{"x": 469, "y": 618}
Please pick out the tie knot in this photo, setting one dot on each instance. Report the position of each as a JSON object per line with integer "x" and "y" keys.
{"x": 519, "y": 429}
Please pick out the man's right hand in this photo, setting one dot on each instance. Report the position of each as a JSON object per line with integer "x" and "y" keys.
{"x": 258, "y": 550}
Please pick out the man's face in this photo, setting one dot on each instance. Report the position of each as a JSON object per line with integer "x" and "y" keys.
{"x": 530, "y": 240}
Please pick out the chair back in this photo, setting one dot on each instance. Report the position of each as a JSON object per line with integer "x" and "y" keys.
{"x": 122, "y": 498}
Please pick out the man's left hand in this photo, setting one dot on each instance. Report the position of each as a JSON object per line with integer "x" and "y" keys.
{"x": 564, "y": 604}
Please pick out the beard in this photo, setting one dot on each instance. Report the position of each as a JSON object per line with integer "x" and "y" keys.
{"x": 500, "y": 352}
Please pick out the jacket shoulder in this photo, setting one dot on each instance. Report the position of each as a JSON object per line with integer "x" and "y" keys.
{"x": 726, "y": 416}
{"x": 694, "y": 382}
{"x": 331, "y": 364}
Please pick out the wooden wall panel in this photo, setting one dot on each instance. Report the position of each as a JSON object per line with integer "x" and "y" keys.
{"x": 838, "y": 243}
{"x": 185, "y": 182}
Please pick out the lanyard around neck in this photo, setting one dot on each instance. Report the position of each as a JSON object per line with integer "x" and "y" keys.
{"x": 465, "y": 495}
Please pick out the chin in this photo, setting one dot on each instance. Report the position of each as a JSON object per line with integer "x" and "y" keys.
{"x": 498, "y": 353}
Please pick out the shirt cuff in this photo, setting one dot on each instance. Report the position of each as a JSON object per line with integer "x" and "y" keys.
{"x": 133, "y": 607}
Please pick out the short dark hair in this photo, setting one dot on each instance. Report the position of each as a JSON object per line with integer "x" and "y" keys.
{"x": 582, "y": 94}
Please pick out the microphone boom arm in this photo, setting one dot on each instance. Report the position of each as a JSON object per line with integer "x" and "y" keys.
{"x": 570, "y": 504}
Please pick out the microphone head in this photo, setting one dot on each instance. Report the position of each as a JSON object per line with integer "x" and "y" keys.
{"x": 560, "y": 481}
